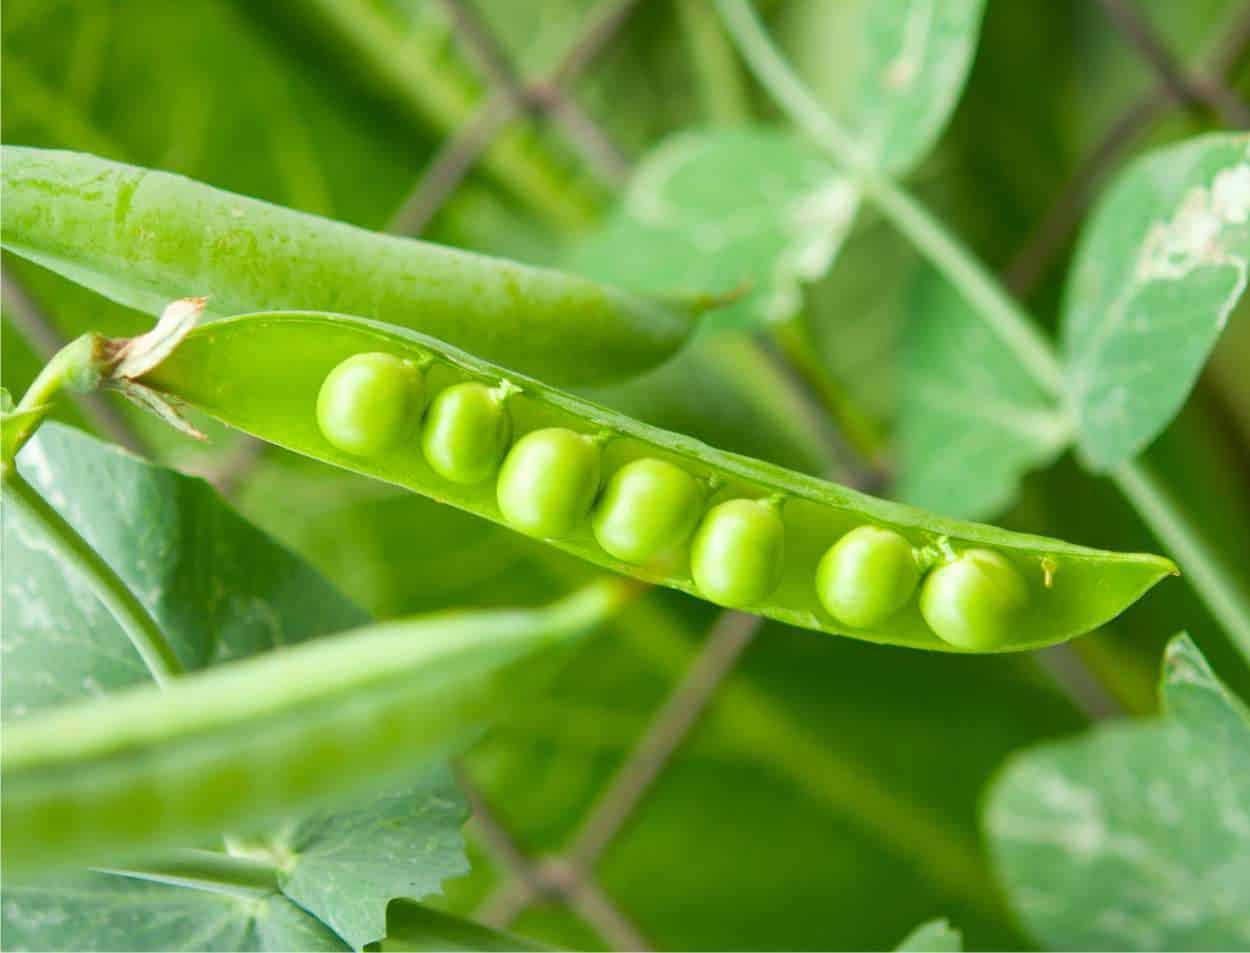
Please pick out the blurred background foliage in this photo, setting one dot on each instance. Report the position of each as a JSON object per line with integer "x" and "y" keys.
{"x": 828, "y": 797}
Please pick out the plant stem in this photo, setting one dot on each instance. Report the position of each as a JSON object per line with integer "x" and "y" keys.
{"x": 206, "y": 870}
{"x": 715, "y": 62}
{"x": 1225, "y": 597}
{"x": 75, "y": 366}
{"x": 978, "y": 287}
{"x": 74, "y": 551}
{"x": 985, "y": 295}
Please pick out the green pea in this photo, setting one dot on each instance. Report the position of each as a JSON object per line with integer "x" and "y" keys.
{"x": 974, "y": 601}
{"x": 649, "y": 506}
{"x": 736, "y": 557}
{"x": 548, "y": 482}
{"x": 466, "y": 433}
{"x": 367, "y": 403}
{"x": 867, "y": 576}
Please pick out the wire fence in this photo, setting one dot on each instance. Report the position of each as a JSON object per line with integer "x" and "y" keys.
{"x": 569, "y": 875}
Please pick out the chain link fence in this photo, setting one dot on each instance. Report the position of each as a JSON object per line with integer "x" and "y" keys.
{"x": 569, "y": 876}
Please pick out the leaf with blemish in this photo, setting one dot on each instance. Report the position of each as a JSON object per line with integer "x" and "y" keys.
{"x": 1137, "y": 836}
{"x": 1159, "y": 268}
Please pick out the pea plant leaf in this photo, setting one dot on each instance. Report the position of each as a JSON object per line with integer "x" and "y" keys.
{"x": 1160, "y": 266}
{"x": 216, "y": 586}
{"x": 936, "y": 936}
{"x": 105, "y": 911}
{"x": 346, "y": 866}
{"x": 758, "y": 208}
{"x": 221, "y": 590}
{"x": 891, "y": 71}
{"x": 1136, "y": 836}
{"x": 972, "y": 422}
{"x": 412, "y": 928}
{"x": 718, "y": 208}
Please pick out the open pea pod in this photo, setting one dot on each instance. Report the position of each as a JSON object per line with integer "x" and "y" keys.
{"x": 143, "y": 238}
{"x": 643, "y": 501}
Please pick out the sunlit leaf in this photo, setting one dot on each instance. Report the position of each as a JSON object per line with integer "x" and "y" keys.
{"x": 1160, "y": 267}
{"x": 1137, "y": 836}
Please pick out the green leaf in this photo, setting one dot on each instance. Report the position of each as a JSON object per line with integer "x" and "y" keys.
{"x": 216, "y": 586}
{"x": 348, "y": 865}
{"x": 936, "y": 936}
{"x": 972, "y": 421}
{"x": 255, "y": 740}
{"x": 412, "y": 928}
{"x": 722, "y": 209}
{"x": 1192, "y": 692}
{"x": 891, "y": 70}
{"x": 220, "y": 590}
{"x": 100, "y": 911}
{"x": 758, "y": 207}
{"x": 1159, "y": 268}
{"x": 1136, "y": 836}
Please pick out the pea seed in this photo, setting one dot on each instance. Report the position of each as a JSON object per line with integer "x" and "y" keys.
{"x": 649, "y": 506}
{"x": 368, "y": 401}
{"x": 736, "y": 557}
{"x": 867, "y": 576}
{"x": 466, "y": 433}
{"x": 548, "y": 482}
{"x": 974, "y": 601}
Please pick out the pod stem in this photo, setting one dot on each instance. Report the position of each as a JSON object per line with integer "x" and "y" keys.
{"x": 74, "y": 551}
{"x": 92, "y": 361}
{"x": 79, "y": 365}
{"x": 985, "y": 295}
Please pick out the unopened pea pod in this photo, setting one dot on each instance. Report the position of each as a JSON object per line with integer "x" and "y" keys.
{"x": 226, "y": 369}
{"x": 237, "y": 745}
{"x": 144, "y": 238}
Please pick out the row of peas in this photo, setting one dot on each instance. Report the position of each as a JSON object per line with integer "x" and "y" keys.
{"x": 549, "y": 481}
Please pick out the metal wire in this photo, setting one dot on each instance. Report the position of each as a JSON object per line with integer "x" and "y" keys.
{"x": 569, "y": 875}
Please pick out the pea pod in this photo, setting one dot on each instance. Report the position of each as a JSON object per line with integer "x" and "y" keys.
{"x": 143, "y": 238}
{"x": 247, "y": 741}
{"x": 262, "y": 373}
